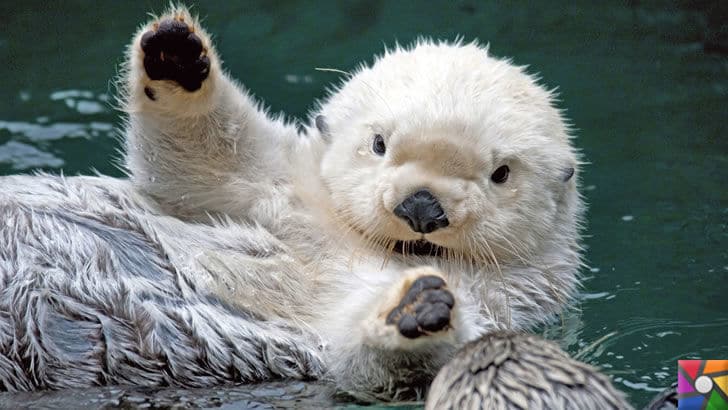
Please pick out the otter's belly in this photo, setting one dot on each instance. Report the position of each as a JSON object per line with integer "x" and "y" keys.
{"x": 93, "y": 290}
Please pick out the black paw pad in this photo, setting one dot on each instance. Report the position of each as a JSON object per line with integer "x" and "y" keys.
{"x": 174, "y": 52}
{"x": 425, "y": 308}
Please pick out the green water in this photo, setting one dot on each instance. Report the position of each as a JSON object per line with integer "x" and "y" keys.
{"x": 649, "y": 106}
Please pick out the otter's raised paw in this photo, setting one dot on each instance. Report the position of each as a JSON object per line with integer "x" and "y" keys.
{"x": 172, "y": 51}
{"x": 424, "y": 309}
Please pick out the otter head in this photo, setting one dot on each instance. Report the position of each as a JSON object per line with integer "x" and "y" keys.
{"x": 442, "y": 147}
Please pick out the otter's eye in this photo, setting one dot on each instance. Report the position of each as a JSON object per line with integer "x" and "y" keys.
{"x": 501, "y": 174}
{"x": 378, "y": 146}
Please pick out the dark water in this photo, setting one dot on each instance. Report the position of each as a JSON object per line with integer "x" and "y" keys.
{"x": 649, "y": 105}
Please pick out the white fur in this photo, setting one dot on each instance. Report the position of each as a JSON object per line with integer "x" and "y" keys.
{"x": 450, "y": 115}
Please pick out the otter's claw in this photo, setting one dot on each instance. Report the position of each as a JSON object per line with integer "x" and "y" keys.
{"x": 425, "y": 308}
{"x": 174, "y": 52}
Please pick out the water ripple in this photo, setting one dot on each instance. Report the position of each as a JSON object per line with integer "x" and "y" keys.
{"x": 22, "y": 156}
{"x": 26, "y": 145}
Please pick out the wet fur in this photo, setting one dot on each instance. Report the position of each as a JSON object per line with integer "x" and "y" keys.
{"x": 239, "y": 250}
{"x": 508, "y": 370}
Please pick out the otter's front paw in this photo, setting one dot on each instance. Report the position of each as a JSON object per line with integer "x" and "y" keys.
{"x": 172, "y": 51}
{"x": 424, "y": 309}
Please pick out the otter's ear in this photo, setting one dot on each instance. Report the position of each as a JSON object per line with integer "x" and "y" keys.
{"x": 567, "y": 173}
{"x": 323, "y": 127}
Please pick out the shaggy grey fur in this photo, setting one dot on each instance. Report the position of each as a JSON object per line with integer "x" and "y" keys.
{"x": 100, "y": 302}
{"x": 506, "y": 370}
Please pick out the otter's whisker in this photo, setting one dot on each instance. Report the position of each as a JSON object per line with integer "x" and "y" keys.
{"x": 502, "y": 278}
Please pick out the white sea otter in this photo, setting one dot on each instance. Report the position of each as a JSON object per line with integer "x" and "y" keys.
{"x": 432, "y": 199}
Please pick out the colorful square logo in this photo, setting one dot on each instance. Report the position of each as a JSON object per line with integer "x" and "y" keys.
{"x": 702, "y": 384}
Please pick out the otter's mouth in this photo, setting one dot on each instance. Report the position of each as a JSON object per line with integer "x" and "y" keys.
{"x": 419, "y": 248}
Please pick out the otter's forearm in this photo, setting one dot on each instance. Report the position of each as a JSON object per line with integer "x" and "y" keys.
{"x": 195, "y": 141}
{"x": 391, "y": 333}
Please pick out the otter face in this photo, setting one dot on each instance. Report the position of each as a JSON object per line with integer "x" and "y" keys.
{"x": 443, "y": 145}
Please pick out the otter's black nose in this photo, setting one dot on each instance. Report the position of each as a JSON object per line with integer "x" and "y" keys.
{"x": 422, "y": 212}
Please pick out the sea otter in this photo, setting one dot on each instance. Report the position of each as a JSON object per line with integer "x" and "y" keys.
{"x": 430, "y": 199}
